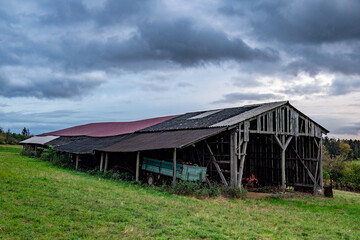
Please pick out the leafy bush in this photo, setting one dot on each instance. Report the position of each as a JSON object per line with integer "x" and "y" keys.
{"x": 56, "y": 157}
{"x": 27, "y": 152}
{"x": 234, "y": 192}
{"x": 202, "y": 190}
{"x": 351, "y": 176}
{"x": 196, "y": 189}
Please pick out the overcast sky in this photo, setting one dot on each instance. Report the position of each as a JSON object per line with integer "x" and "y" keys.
{"x": 64, "y": 63}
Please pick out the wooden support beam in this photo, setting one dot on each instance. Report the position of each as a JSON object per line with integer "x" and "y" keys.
{"x": 233, "y": 158}
{"x": 283, "y": 145}
{"x": 101, "y": 161}
{"x": 106, "y": 161}
{"x": 217, "y": 166}
{"x": 174, "y": 167}
{"x": 137, "y": 166}
{"x": 241, "y": 166}
{"x": 77, "y": 162}
{"x": 283, "y": 177}
{"x": 316, "y": 168}
{"x": 320, "y": 165}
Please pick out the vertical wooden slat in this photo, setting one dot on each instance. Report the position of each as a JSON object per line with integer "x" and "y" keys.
{"x": 233, "y": 159}
{"x": 258, "y": 124}
{"x": 106, "y": 161}
{"x": 101, "y": 162}
{"x": 320, "y": 165}
{"x": 137, "y": 166}
{"x": 174, "y": 167}
{"x": 77, "y": 162}
{"x": 269, "y": 122}
{"x": 241, "y": 166}
{"x": 246, "y": 131}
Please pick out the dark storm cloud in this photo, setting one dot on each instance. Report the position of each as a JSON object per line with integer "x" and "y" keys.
{"x": 74, "y": 38}
{"x": 309, "y": 21}
{"x": 53, "y": 87}
{"x": 110, "y": 12}
{"x": 182, "y": 42}
{"x": 317, "y": 35}
{"x": 239, "y": 97}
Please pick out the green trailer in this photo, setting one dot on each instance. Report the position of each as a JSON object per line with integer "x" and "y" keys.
{"x": 183, "y": 172}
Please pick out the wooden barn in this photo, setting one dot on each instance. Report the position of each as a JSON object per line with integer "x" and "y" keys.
{"x": 272, "y": 142}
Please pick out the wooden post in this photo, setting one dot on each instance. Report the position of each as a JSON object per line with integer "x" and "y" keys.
{"x": 233, "y": 159}
{"x": 77, "y": 162}
{"x": 106, "y": 161}
{"x": 137, "y": 166}
{"x": 283, "y": 145}
{"x": 174, "y": 167}
{"x": 242, "y": 161}
{"x": 101, "y": 162}
{"x": 283, "y": 180}
{"x": 317, "y": 167}
{"x": 320, "y": 165}
{"x": 244, "y": 143}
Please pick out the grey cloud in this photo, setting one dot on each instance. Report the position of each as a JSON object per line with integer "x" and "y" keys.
{"x": 350, "y": 129}
{"x": 300, "y": 21}
{"x": 111, "y": 12}
{"x": 341, "y": 86}
{"x": 307, "y": 89}
{"x": 238, "y": 97}
{"x": 306, "y": 31}
{"x": 182, "y": 42}
{"x": 51, "y": 88}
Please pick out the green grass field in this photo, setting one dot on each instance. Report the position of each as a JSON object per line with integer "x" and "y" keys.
{"x": 41, "y": 201}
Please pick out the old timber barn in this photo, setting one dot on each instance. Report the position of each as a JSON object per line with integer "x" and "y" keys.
{"x": 274, "y": 141}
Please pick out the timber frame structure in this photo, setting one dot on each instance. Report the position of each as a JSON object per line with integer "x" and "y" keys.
{"x": 274, "y": 142}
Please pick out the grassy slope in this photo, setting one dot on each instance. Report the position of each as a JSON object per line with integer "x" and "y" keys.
{"x": 40, "y": 201}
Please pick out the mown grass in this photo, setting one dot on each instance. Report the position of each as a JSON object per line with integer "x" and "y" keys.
{"x": 41, "y": 201}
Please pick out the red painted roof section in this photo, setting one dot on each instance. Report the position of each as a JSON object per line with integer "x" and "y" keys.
{"x": 107, "y": 129}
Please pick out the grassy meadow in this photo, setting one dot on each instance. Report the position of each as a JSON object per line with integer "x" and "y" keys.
{"x": 42, "y": 201}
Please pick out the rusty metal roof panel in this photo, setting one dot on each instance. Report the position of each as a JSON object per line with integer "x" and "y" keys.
{"x": 107, "y": 129}
{"x": 162, "y": 140}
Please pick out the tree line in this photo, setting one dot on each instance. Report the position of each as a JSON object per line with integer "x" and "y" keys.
{"x": 8, "y": 137}
{"x": 349, "y": 148}
{"x": 341, "y": 160}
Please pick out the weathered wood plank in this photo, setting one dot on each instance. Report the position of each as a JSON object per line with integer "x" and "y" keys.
{"x": 106, "y": 161}
{"x": 101, "y": 161}
{"x": 137, "y": 166}
{"x": 241, "y": 166}
{"x": 233, "y": 159}
{"x": 174, "y": 167}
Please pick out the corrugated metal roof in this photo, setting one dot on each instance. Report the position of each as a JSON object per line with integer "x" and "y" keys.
{"x": 256, "y": 110}
{"x": 107, "y": 129}
{"x": 162, "y": 140}
{"x": 85, "y": 145}
{"x": 193, "y": 121}
{"x": 41, "y": 140}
